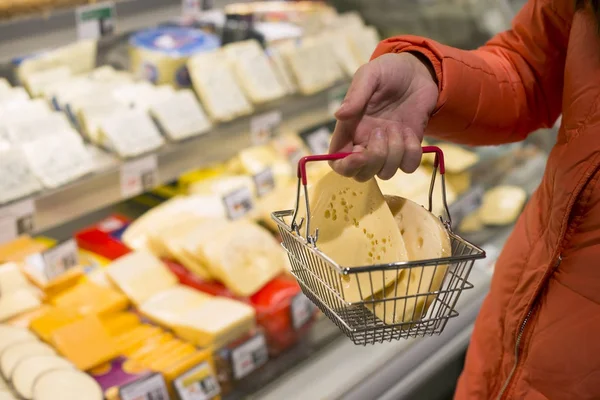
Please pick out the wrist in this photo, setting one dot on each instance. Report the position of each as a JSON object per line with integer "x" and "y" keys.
{"x": 426, "y": 63}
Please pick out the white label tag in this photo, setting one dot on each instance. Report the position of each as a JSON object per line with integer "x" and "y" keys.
{"x": 466, "y": 205}
{"x": 238, "y": 202}
{"x": 16, "y": 219}
{"x": 199, "y": 383}
{"x": 152, "y": 387}
{"x": 139, "y": 176}
{"x": 318, "y": 140}
{"x": 265, "y": 126}
{"x": 264, "y": 181}
{"x": 302, "y": 310}
{"x": 95, "y": 20}
{"x": 249, "y": 356}
{"x": 55, "y": 261}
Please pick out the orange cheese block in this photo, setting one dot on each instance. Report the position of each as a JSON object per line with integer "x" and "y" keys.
{"x": 85, "y": 343}
{"x": 18, "y": 249}
{"x": 119, "y": 323}
{"x": 89, "y": 298}
{"x": 52, "y": 319}
{"x": 135, "y": 339}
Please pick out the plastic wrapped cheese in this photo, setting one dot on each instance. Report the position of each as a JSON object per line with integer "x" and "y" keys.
{"x": 180, "y": 116}
{"x": 502, "y": 205}
{"x": 28, "y": 370}
{"x": 356, "y": 228}
{"x": 425, "y": 238}
{"x": 11, "y": 357}
{"x": 165, "y": 306}
{"x": 70, "y": 384}
{"x": 37, "y": 82}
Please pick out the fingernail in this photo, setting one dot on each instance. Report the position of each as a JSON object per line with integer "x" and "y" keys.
{"x": 341, "y": 107}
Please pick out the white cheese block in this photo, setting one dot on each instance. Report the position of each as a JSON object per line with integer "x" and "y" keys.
{"x": 39, "y": 127}
{"x": 279, "y": 66}
{"x": 217, "y": 87}
{"x": 356, "y": 228}
{"x": 18, "y": 352}
{"x": 12, "y": 279}
{"x": 28, "y": 370}
{"x": 38, "y": 81}
{"x": 68, "y": 384}
{"x": 340, "y": 44}
{"x": 14, "y": 112}
{"x": 425, "y": 238}
{"x": 502, "y": 205}
{"x": 16, "y": 178}
{"x": 180, "y": 116}
{"x": 10, "y": 335}
{"x": 20, "y": 301}
{"x": 165, "y": 307}
{"x": 140, "y": 275}
{"x": 4, "y": 85}
{"x": 364, "y": 41}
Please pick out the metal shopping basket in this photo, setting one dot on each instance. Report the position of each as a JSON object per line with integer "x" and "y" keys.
{"x": 321, "y": 278}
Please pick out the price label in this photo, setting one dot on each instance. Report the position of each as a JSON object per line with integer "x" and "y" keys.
{"x": 151, "y": 387}
{"x": 265, "y": 126}
{"x": 302, "y": 310}
{"x": 264, "y": 181}
{"x": 16, "y": 219}
{"x": 139, "y": 176}
{"x": 95, "y": 20}
{"x": 249, "y": 356}
{"x": 317, "y": 140}
{"x": 466, "y": 205}
{"x": 238, "y": 202}
{"x": 55, "y": 261}
{"x": 198, "y": 383}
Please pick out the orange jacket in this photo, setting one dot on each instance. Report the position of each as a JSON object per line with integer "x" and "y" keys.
{"x": 538, "y": 332}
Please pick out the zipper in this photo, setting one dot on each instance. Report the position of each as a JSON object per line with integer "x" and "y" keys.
{"x": 518, "y": 342}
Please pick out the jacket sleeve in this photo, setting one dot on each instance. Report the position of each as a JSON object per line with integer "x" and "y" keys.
{"x": 504, "y": 90}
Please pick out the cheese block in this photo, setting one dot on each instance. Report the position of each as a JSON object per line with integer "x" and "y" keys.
{"x": 242, "y": 255}
{"x": 356, "y": 228}
{"x": 502, "y": 205}
{"x": 164, "y": 307}
{"x": 140, "y": 275}
{"x": 18, "y": 302}
{"x": 85, "y": 342}
{"x": 364, "y": 41}
{"x": 50, "y": 320}
{"x": 170, "y": 230}
{"x": 280, "y": 68}
{"x": 89, "y": 298}
{"x": 12, "y": 279}
{"x": 10, "y": 335}
{"x": 71, "y": 384}
{"x": 256, "y": 159}
{"x": 17, "y": 180}
{"x": 28, "y": 370}
{"x": 133, "y": 340}
{"x": 37, "y": 81}
{"x": 340, "y": 44}
{"x": 20, "y": 351}
{"x": 24, "y": 320}
{"x": 281, "y": 198}
{"x": 216, "y": 323}
{"x": 460, "y": 182}
{"x": 180, "y": 115}
{"x": 471, "y": 223}
{"x": 171, "y": 356}
{"x": 425, "y": 238}
{"x": 149, "y": 346}
{"x": 456, "y": 158}
{"x": 223, "y": 185}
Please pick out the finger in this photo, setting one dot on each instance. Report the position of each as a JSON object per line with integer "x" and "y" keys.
{"x": 412, "y": 151}
{"x": 395, "y": 152}
{"x": 364, "y": 83}
{"x": 342, "y": 138}
{"x": 352, "y": 164}
{"x": 377, "y": 151}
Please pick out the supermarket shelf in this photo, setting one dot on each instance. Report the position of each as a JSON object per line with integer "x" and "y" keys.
{"x": 94, "y": 192}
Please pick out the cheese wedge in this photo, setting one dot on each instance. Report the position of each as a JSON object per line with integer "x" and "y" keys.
{"x": 28, "y": 370}
{"x": 164, "y": 307}
{"x": 502, "y": 205}
{"x": 356, "y": 228}
{"x": 71, "y": 384}
{"x": 425, "y": 238}
{"x": 14, "y": 354}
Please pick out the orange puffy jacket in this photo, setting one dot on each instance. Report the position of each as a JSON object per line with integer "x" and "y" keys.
{"x": 538, "y": 332}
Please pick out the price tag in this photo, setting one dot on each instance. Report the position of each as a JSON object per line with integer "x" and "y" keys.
{"x": 265, "y": 126}
{"x": 317, "y": 140}
{"x": 16, "y": 219}
{"x": 139, "y": 176}
{"x": 238, "y": 202}
{"x": 249, "y": 356}
{"x": 466, "y": 205}
{"x": 95, "y": 20}
{"x": 302, "y": 310}
{"x": 264, "y": 181}
{"x": 152, "y": 387}
{"x": 55, "y": 261}
{"x": 198, "y": 383}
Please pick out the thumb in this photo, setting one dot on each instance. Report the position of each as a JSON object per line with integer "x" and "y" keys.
{"x": 361, "y": 89}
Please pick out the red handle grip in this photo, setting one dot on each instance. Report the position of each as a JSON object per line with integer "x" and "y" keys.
{"x": 438, "y": 162}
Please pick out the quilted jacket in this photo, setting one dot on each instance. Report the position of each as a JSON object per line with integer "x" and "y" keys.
{"x": 538, "y": 333}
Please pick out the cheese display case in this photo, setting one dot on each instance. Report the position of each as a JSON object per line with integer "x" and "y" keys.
{"x": 138, "y": 175}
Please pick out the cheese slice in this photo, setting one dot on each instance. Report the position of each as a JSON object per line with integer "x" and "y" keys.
{"x": 425, "y": 238}
{"x": 502, "y": 205}
{"x": 164, "y": 307}
{"x": 12, "y": 279}
{"x": 10, "y": 335}
{"x": 116, "y": 324}
{"x": 50, "y": 320}
{"x": 89, "y": 298}
{"x": 140, "y": 275}
{"x": 356, "y": 228}
{"x": 28, "y": 370}
{"x": 14, "y": 354}
{"x": 71, "y": 384}
{"x": 18, "y": 302}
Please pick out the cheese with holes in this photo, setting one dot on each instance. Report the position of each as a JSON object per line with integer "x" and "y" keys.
{"x": 164, "y": 307}
{"x": 28, "y": 370}
{"x": 20, "y": 351}
{"x": 425, "y": 238}
{"x": 71, "y": 384}
{"x": 502, "y": 205}
{"x": 10, "y": 335}
{"x": 140, "y": 275}
{"x": 356, "y": 228}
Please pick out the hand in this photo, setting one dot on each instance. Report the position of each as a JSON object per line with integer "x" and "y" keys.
{"x": 383, "y": 117}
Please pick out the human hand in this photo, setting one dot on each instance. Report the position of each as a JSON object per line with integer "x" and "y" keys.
{"x": 383, "y": 117}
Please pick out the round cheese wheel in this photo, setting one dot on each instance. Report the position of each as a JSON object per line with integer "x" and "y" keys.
{"x": 10, "y": 335}
{"x": 66, "y": 385}
{"x": 7, "y": 395}
{"x": 11, "y": 356}
{"x": 30, "y": 368}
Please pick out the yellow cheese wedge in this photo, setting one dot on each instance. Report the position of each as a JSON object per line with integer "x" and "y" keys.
{"x": 356, "y": 228}
{"x": 164, "y": 307}
{"x": 140, "y": 275}
{"x": 89, "y": 298}
{"x": 425, "y": 238}
{"x": 20, "y": 351}
{"x": 502, "y": 205}
{"x": 172, "y": 356}
{"x": 131, "y": 341}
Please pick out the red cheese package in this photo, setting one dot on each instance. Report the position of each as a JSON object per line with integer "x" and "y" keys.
{"x": 103, "y": 238}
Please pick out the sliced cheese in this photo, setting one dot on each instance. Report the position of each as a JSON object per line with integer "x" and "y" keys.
{"x": 140, "y": 275}
{"x": 18, "y": 302}
{"x": 50, "y": 320}
{"x": 71, "y": 384}
{"x": 119, "y": 323}
{"x": 356, "y": 228}
{"x": 164, "y": 307}
{"x": 17, "y": 352}
{"x": 9, "y": 335}
{"x": 12, "y": 279}
{"x": 502, "y": 205}
{"x": 89, "y": 298}
{"x": 28, "y": 370}
{"x": 425, "y": 238}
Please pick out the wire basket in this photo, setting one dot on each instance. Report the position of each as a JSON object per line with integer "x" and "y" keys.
{"x": 405, "y": 315}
